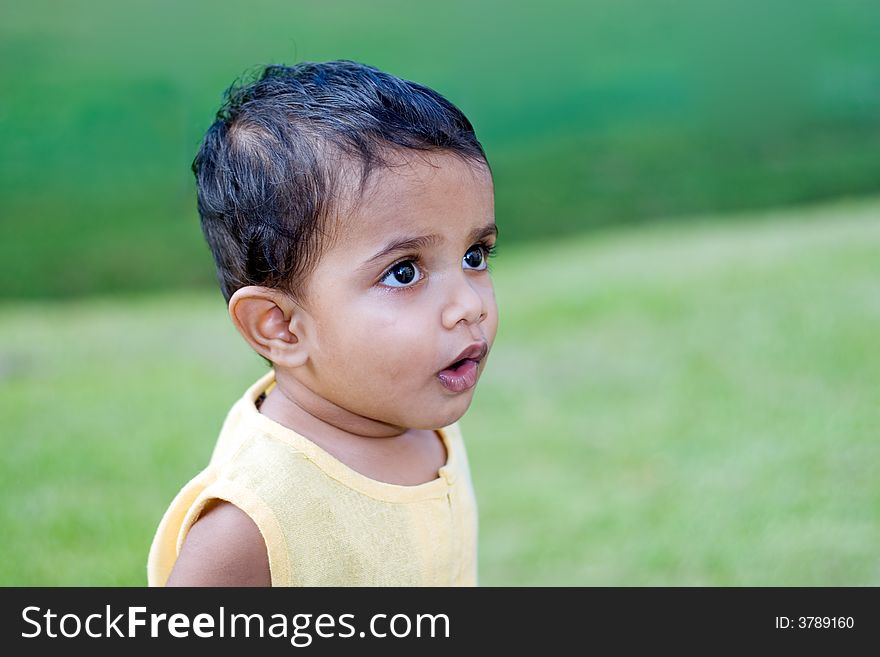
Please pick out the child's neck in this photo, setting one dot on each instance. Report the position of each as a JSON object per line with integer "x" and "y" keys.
{"x": 382, "y": 451}
{"x": 296, "y": 407}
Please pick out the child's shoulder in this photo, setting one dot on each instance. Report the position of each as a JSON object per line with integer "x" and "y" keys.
{"x": 224, "y": 547}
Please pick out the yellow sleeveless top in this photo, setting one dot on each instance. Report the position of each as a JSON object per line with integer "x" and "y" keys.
{"x": 325, "y": 524}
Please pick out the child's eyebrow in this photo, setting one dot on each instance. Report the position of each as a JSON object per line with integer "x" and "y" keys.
{"x": 424, "y": 241}
{"x": 479, "y": 233}
{"x": 406, "y": 244}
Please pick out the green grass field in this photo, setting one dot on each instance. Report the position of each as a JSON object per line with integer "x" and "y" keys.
{"x": 677, "y": 404}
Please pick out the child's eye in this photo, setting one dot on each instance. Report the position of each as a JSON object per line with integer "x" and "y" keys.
{"x": 402, "y": 274}
{"x": 475, "y": 258}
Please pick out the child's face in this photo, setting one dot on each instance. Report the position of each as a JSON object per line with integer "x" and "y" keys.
{"x": 389, "y": 324}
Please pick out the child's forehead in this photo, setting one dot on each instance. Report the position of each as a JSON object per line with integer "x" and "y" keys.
{"x": 421, "y": 192}
{"x": 427, "y": 204}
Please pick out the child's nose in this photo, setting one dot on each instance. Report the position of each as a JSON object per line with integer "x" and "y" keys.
{"x": 465, "y": 303}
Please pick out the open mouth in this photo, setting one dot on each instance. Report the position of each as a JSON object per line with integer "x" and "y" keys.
{"x": 461, "y": 374}
{"x": 457, "y": 364}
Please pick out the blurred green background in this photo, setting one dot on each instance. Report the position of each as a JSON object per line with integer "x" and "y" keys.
{"x": 684, "y": 388}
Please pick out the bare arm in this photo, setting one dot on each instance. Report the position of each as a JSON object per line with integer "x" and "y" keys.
{"x": 223, "y": 548}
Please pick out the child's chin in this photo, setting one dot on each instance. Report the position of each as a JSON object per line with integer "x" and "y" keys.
{"x": 441, "y": 418}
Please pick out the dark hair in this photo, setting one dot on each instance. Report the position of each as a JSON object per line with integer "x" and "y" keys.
{"x": 270, "y": 166}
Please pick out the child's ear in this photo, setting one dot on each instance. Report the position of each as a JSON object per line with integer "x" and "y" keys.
{"x": 272, "y": 323}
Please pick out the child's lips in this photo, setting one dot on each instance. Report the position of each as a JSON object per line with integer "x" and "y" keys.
{"x": 462, "y": 373}
{"x": 461, "y": 378}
